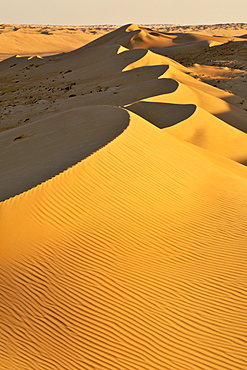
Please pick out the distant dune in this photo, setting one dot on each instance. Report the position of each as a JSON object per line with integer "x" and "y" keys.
{"x": 123, "y": 197}
{"x": 45, "y": 40}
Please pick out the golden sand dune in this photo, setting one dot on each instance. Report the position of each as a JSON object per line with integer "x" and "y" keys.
{"x": 152, "y": 39}
{"x": 195, "y": 125}
{"x": 123, "y": 241}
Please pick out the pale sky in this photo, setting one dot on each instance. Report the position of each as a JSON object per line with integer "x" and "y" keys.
{"x": 119, "y": 12}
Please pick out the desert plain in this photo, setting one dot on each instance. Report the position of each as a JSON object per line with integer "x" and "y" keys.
{"x": 123, "y": 197}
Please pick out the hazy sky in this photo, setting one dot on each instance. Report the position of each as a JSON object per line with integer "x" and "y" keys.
{"x": 87, "y": 12}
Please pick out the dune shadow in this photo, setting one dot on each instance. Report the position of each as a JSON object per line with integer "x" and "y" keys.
{"x": 162, "y": 115}
{"x": 180, "y": 37}
{"x": 185, "y": 48}
{"x": 153, "y": 71}
{"x": 60, "y": 141}
{"x": 243, "y": 162}
{"x": 242, "y": 36}
{"x": 146, "y": 73}
{"x": 231, "y": 119}
{"x": 129, "y": 56}
{"x": 146, "y": 89}
{"x": 46, "y": 33}
{"x": 103, "y": 55}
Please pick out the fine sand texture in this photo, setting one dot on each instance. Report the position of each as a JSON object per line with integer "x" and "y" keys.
{"x": 123, "y": 201}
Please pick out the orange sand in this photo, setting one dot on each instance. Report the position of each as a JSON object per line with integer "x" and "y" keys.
{"x": 123, "y": 214}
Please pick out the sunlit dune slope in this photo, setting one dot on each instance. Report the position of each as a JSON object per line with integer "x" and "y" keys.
{"x": 123, "y": 241}
{"x": 128, "y": 259}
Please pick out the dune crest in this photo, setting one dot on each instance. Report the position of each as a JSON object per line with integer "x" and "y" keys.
{"x": 123, "y": 220}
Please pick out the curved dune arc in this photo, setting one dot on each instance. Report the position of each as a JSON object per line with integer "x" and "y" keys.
{"x": 209, "y": 132}
{"x": 152, "y": 59}
{"x": 131, "y": 261}
{"x": 40, "y": 150}
{"x": 108, "y": 65}
{"x": 100, "y": 55}
{"x": 195, "y": 125}
{"x": 182, "y": 74}
{"x": 162, "y": 114}
{"x": 101, "y": 61}
{"x": 148, "y": 38}
{"x": 184, "y": 94}
{"x": 223, "y": 109}
{"x": 205, "y": 97}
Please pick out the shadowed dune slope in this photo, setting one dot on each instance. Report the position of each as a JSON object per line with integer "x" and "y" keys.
{"x": 128, "y": 260}
{"x": 36, "y": 152}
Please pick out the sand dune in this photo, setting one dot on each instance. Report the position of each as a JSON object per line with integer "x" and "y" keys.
{"x": 123, "y": 220}
{"x": 195, "y": 125}
{"x": 34, "y": 39}
{"x": 56, "y": 143}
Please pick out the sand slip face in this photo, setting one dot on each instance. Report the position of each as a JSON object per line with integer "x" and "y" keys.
{"x": 134, "y": 257}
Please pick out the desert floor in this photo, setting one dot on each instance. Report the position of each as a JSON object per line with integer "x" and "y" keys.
{"x": 123, "y": 197}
